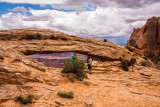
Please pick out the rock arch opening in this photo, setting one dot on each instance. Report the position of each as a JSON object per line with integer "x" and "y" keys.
{"x": 56, "y": 60}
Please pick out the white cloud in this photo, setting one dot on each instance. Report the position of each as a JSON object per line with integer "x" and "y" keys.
{"x": 2, "y": 27}
{"x": 12, "y": 21}
{"x": 23, "y": 9}
{"x": 103, "y": 22}
{"x": 36, "y": 18}
{"x": 35, "y": 1}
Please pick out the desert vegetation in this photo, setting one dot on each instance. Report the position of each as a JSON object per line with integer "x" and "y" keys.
{"x": 124, "y": 65}
{"x": 76, "y": 67}
{"x": 158, "y": 67}
{"x": 145, "y": 58}
{"x": 105, "y": 40}
{"x": 65, "y": 94}
{"x": 145, "y": 63}
{"x": 23, "y": 100}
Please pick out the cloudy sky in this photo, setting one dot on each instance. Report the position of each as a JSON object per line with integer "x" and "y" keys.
{"x": 111, "y": 19}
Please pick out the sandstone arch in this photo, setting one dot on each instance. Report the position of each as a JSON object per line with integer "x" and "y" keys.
{"x": 49, "y": 41}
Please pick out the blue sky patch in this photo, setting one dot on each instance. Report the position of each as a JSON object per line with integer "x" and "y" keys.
{"x": 7, "y": 7}
{"x": 90, "y": 8}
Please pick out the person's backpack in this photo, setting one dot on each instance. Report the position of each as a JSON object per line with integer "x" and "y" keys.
{"x": 74, "y": 57}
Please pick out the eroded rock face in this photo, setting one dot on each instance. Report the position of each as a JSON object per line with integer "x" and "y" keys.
{"x": 32, "y": 40}
{"x": 16, "y": 68}
{"x": 147, "y": 38}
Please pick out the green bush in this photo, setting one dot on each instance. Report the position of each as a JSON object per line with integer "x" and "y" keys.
{"x": 76, "y": 67}
{"x": 132, "y": 61}
{"x": 124, "y": 65}
{"x": 66, "y": 94}
{"x": 158, "y": 67}
{"x": 72, "y": 79}
{"x": 145, "y": 58}
{"x": 105, "y": 40}
{"x": 145, "y": 63}
{"x": 38, "y": 35}
{"x": 151, "y": 56}
{"x": 24, "y": 100}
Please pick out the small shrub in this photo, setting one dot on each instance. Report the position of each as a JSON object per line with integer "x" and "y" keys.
{"x": 145, "y": 63}
{"x": 158, "y": 67}
{"x": 72, "y": 79}
{"x": 19, "y": 99}
{"x": 38, "y": 35}
{"x": 145, "y": 58}
{"x": 105, "y": 40}
{"x": 66, "y": 94}
{"x": 76, "y": 67}
{"x": 24, "y": 100}
{"x": 64, "y": 39}
{"x": 133, "y": 61}
{"x": 30, "y": 98}
{"x": 124, "y": 65}
{"x": 70, "y": 94}
{"x": 151, "y": 56}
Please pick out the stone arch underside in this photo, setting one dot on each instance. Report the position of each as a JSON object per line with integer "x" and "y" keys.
{"x": 104, "y": 51}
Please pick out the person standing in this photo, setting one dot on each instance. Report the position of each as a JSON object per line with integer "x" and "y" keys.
{"x": 73, "y": 56}
{"x": 89, "y": 61}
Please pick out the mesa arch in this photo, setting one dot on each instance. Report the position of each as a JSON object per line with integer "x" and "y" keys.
{"x": 21, "y": 74}
{"x": 33, "y": 40}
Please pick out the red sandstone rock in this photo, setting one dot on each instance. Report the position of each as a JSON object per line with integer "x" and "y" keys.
{"x": 16, "y": 68}
{"x": 147, "y": 38}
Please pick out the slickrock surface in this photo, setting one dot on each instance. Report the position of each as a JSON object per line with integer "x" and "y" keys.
{"x": 108, "y": 86}
{"x": 147, "y": 38}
